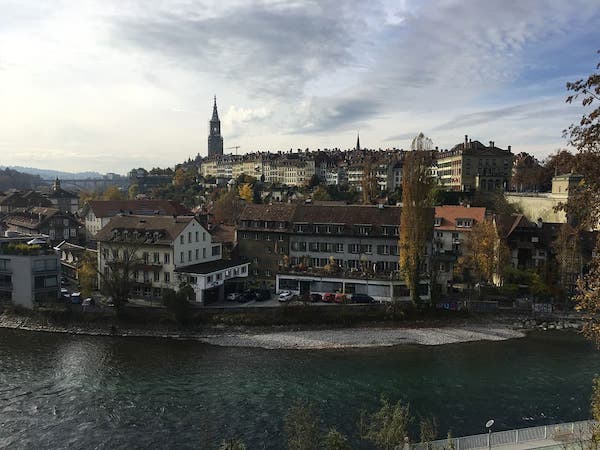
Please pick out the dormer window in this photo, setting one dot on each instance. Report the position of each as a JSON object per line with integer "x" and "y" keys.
{"x": 464, "y": 223}
{"x": 437, "y": 222}
{"x": 363, "y": 230}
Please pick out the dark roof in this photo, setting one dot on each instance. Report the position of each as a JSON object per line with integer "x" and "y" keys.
{"x": 348, "y": 214}
{"x": 212, "y": 266}
{"x": 110, "y": 208}
{"x": 61, "y": 193}
{"x": 507, "y": 224}
{"x": 169, "y": 227}
{"x": 34, "y": 217}
{"x": 223, "y": 233}
{"x": 276, "y": 212}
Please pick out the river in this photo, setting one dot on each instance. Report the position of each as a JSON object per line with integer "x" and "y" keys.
{"x": 60, "y": 390}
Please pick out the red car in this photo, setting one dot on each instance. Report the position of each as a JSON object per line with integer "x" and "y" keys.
{"x": 328, "y": 297}
{"x": 340, "y": 298}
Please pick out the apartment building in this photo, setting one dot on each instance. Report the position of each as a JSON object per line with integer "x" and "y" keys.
{"x": 52, "y": 222}
{"x": 29, "y": 271}
{"x": 355, "y": 246}
{"x": 471, "y": 165}
{"x": 168, "y": 251}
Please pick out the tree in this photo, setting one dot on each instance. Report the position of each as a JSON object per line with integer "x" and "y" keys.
{"x": 88, "y": 273}
{"x": 133, "y": 191}
{"x": 528, "y": 173}
{"x": 301, "y": 425}
{"x": 321, "y": 194}
{"x": 180, "y": 178}
{"x": 483, "y": 254}
{"x": 334, "y": 440}
{"x": 387, "y": 427}
{"x": 416, "y": 220}
{"x": 245, "y": 192}
{"x": 112, "y": 193}
{"x": 428, "y": 430}
{"x": 178, "y": 303}
{"x": 117, "y": 277}
{"x": 228, "y": 208}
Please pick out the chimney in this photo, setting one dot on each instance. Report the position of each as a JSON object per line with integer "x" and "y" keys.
{"x": 466, "y": 140}
{"x": 509, "y": 147}
{"x": 491, "y": 144}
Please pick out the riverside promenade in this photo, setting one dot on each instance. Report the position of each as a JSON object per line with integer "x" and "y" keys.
{"x": 559, "y": 436}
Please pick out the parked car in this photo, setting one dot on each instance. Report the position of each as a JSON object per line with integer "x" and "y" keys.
{"x": 76, "y": 298}
{"x": 340, "y": 298}
{"x": 314, "y": 297}
{"x": 328, "y": 297}
{"x": 233, "y": 297}
{"x": 362, "y": 298}
{"x": 285, "y": 296}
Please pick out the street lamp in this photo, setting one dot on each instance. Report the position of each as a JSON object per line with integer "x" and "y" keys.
{"x": 488, "y": 425}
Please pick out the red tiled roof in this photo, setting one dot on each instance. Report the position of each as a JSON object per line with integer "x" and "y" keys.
{"x": 449, "y": 214}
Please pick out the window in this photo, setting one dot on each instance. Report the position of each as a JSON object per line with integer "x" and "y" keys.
{"x": 339, "y": 248}
{"x": 167, "y": 258}
{"x": 219, "y": 276}
{"x": 209, "y": 279}
{"x": 145, "y": 257}
{"x": 353, "y": 248}
{"x": 204, "y": 253}
{"x": 181, "y": 257}
{"x": 156, "y": 276}
{"x": 189, "y": 255}
{"x": 189, "y": 236}
{"x": 181, "y": 241}
{"x": 364, "y": 229}
{"x": 203, "y": 236}
{"x": 156, "y": 258}
{"x": 167, "y": 277}
{"x": 437, "y": 222}
{"x": 454, "y": 236}
{"x": 216, "y": 250}
{"x": 268, "y": 250}
{"x": 243, "y": 270}
{"x": 197, "y": 254}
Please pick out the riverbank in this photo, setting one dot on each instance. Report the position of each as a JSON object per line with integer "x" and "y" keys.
{"x": 373, "y": 335}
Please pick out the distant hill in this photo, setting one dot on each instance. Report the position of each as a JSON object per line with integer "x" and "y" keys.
{"x": 48, "y": 174}
{"x": 12, "y": 179}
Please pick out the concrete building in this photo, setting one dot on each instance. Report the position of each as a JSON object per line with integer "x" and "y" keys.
{"x": 29, "y": 271}
{"x": 166, "y": 252}
{"x": 473, "y": 166}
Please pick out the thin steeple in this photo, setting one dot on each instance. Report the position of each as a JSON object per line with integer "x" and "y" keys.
{"x": 215, "y": 115}
{"x": 357, "y": 140}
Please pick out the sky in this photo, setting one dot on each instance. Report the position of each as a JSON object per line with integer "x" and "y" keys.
{"x": 115, "y": 84}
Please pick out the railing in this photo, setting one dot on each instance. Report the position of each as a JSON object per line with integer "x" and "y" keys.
{"x": 558, "y": 433}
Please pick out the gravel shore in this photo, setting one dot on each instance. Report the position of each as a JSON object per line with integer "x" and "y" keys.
{"x": 362, "y": 337}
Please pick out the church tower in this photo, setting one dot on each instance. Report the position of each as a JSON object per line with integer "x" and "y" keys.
{"x": 357, "y": 141}
{"x": 215, "y": 140}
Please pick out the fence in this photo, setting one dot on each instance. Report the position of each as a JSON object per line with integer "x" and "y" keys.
{"x": 557, "y": 434}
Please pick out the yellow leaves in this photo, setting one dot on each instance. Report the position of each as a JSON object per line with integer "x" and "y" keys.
{"x": 245, "y": 192}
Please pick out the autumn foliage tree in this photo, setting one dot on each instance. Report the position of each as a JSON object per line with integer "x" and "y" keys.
{"x": 416, "y": 220}
{"x": 245, "y": 192}
{"x": 483, "y": 254}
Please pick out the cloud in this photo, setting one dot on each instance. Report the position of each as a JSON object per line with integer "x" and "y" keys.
{"x": 401, "y": 136}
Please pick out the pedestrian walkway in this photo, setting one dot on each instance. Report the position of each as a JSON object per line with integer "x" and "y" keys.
{"x": 559, "y": 436}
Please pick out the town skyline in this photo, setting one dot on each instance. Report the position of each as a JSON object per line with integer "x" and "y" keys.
{"x": 106, "y": 88}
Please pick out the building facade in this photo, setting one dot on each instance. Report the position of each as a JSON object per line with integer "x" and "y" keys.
{"x": 474, "y": 166}
{"x": 29, "y": 271}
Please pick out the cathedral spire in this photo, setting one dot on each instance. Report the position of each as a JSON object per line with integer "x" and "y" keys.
{"x": 215, "y": 115}
{"x": 357, "y": 140}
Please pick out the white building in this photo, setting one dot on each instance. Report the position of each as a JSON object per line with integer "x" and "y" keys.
{"x": 168, "y": 251}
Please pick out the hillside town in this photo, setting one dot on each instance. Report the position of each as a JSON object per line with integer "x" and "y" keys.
{"x": 320, "y": 226}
